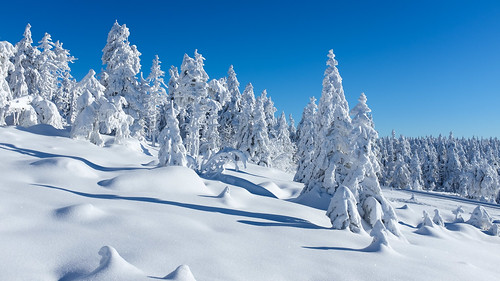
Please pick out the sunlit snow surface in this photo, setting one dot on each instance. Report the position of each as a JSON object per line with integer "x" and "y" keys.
{"x": 70, "y": 210}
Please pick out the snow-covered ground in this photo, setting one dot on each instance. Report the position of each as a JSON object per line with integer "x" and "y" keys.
{"x": 70, "y": 210}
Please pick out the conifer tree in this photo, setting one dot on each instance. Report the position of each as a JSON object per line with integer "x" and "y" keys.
{"x": 6, "y": 52}
{"x": 25, "y": 77}
{"x": 333, "y": 126}
{"x": 155, "y": 99}
{"x": 120, "y": 76}
{"x": 229, "y": 115}
{"x": 172, "y": 151}
{"x": 306, "y": 134}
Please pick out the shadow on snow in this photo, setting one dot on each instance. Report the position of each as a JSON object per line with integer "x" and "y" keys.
{"x": 43, "y": 155}
{"x": 277, "y": 220}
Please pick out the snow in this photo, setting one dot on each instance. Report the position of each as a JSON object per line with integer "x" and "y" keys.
{"x": 71, "y": 210}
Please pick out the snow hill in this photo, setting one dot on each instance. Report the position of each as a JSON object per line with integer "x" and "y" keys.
{"x": 71, "y": 210}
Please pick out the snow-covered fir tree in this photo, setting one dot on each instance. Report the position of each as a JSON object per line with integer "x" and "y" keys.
{"x": 155, "y": 99}
{"x": 25, "y": 78}
{"x": 306, "y": 135}
{"x": 193, "y": 97}
{"x": 362, "y": 175}
{"x": 229, "y": 115}
{"x": 172, "y": 151}
{"x": 120, "y": 76}
{"x": 6, "y": 52}
{"x": 333, "y": 126}
{"x": 282, "y": 147}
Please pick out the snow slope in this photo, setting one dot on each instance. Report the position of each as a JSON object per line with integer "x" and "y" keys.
{"x": 70, "y": 210}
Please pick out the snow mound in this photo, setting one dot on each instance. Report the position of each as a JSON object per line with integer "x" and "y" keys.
{"x": 79, "y": 212}
{"x": 274, "y": 189}
{"x": 113, "y": 267}
{"x": 380, "y": 242}
{"x": 480, "y": 218}
{"x": 66, "y": 166}
{"x": 226, "y": 198}
{"x": 170, "y": 179}
{"x": 225, "y": 194}
{"x": 404, "y": 207}
{"x": 181, "y": 273}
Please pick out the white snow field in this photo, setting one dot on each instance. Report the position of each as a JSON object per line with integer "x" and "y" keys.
{"x": 70, "y": 210}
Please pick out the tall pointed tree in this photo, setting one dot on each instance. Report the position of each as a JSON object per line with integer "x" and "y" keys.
{"x": 172, "y": 151}
{"x": 306, "y": 135}
{"x": 155, "y": 99}
{"x": 333, "y": 126}
{"x": 229, "y": 115}
{"x": 122, "y": 67}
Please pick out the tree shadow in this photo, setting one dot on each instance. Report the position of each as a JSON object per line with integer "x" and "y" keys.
{"x": 280, "y": 219}
{"x": 46, "y": 130}
{"x": 362, "y": 250}
{"x": 407, "y": 225}
{"x": 248, "y": 185}
{"x": 43, "y": 155}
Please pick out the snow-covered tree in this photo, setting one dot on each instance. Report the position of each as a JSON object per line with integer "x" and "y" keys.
{"x": 401, "y": 177}
{"x": 306, "y": 134}
{"x": 245, "y": 119}
{"x": 193, "y": 96}
{"x": 283, "y": 148}
{"x": 480, "y": 218}
{"x": 362, "y": 175}
{"x": 91, "y": 87}
{"x": 120, "y": 76}
{"x": 209, "y": 135}
{"x": 229, "y": 115}
{"x": 6, "y": 52}
{"x": 155, "y": 99}
{"x": 437, "y": 219}
{"x": 269, "y": 111}
{"x": 46, "y": 62}
{"x": 25, "y": 78}
{"x": 416, "y": 173}
{"x": 333, "y": 126}
{"x": 172, "y": 151}
{"x": 343, "y": 211}
{"x": 292, "y": 129}
{"x": 63, "y": 98}
{"x": 217, "y": 91}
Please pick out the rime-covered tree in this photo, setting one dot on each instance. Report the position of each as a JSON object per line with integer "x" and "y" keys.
{"x": 24, "y": 78}
{"x": 46, "y": 62}
{"x": 362, "y": 176}
{"x": 63, "y": 98}
{"x": 217, "y": 91}
{"x": 209, "y": 134}
{"x": 245, "y": 120}
{"x": 172, "y": 151}
{"x": 229, "y": 115}
{"x": 155, "y": 99}
{"x": 306, "y": 135}
{"x": 283, "y": 148}
{"x": 6, "y": 52}
{"x": 269, "y": 111}
{"x": 292, "y": 129}
{"x": 343, "y": 210}
{"x": 120, "y": 76}
{"x": 401, "y": 177}
{"x": 416, "y": 172}
{"x": 89, "y": 86}
{"x": 333, "y": 126}
{"x": 193, "y": 96}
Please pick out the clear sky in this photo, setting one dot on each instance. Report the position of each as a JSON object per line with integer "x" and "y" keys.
{"x": 427, "y": 67}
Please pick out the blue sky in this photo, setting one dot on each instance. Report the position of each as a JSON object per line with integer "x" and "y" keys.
{"x": 427, "y": 67}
